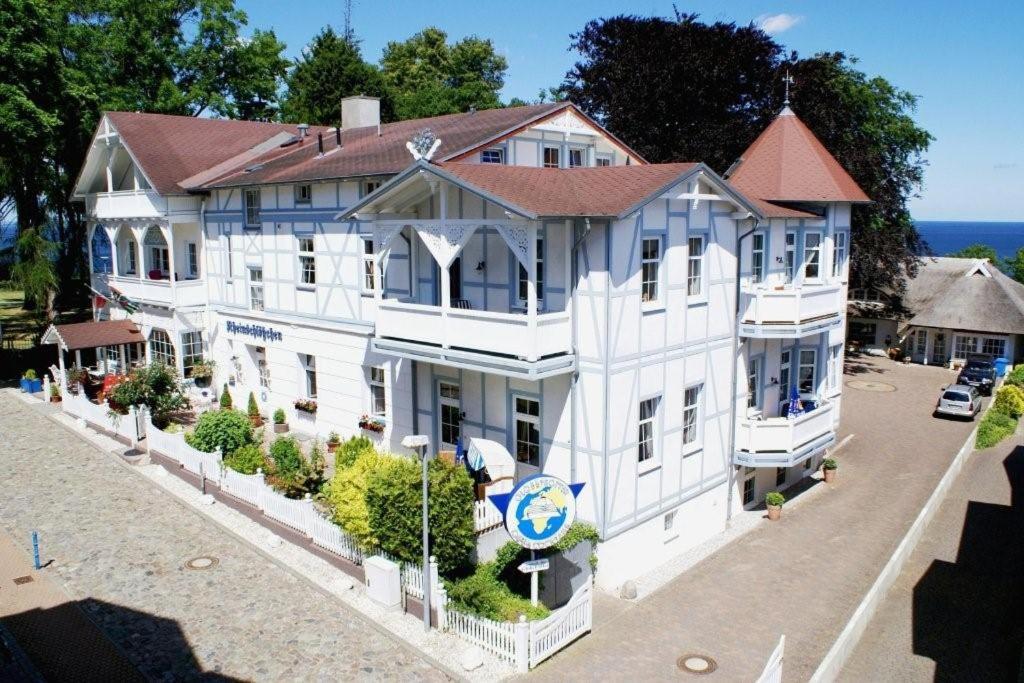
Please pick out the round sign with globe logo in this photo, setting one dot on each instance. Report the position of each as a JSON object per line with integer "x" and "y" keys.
{"x": 539, "y": 510}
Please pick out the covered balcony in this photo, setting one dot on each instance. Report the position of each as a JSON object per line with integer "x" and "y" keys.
{"x": 785, "y": 441}
{"x": 789, "y": 311}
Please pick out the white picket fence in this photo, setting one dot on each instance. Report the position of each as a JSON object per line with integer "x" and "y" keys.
{"x": 496, "y": 637}
{"x": 486, "y": 516}
{"x": 565, "y": 625}
{"x": 99, "y": 415}
{"x": 244, "y": 487}
{"x": 175, "y": 447}
{"x": 773, "y": 669}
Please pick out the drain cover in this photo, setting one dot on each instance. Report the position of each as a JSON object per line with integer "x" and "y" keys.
{"x": 696, "y": 664}
{"x": 19, "y": 580}
{"x": 868, "y": 385}
{"x": 202, "y": 562}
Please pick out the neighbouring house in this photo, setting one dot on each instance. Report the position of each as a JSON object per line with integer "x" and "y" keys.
{"x": 953, "y": 309}
{"x": 518, "y": 275}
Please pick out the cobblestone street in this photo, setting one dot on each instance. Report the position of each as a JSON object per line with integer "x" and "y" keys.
{"x": 119, "y": 546}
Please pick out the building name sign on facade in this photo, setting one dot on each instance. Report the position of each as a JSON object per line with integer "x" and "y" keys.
{"x": 260, "y": 332}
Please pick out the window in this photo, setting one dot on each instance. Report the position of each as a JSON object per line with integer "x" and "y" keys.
{"x": 378, "y": 402}
{"x": 524, "y": 277}
{"x": 369, "y": 271}
{"x": 262, "y": 368}
{"x": 812, "y": 255}
{"x": 835, "y": 366}
{"x": 604, "y": 161}
{"x": 964, "y": 346}
{"x": 922, "y": 342}
{"x": 862, "y": 332}
{"x": 192, "y": 259}
{"x": 307, "y": 261}
{"x": 191, "y": 350}
{"x": 527, "y": 431}
{"x": 784, "y": 370}
{"x": 757, "y": 258}
{"x": 161, "y": 350}
{"x": 256, "y": 289}
{"x": 551, "y": 157}
{"x": 650, "y": 262}
{"x": 670, "y": 520}
{"x": 695, "y": 266}
{"x": 450, "y": 417}
{"x": 251, "y": 206}
{"x": 492, "y": 156}
{"x": 780, "y": 476}
{"x": 691, "y": 413}
{"x": 754, "y": 383}
{"x": 839, "y": 260}
{"x": 303, "y": 193}
{"x": 370, "y": 186}
{"x": 230, "y": 270}
{"x": 807, "y": 378}
{"x": 790, "y": 256}
{"x": 575, "y": 158}
{"x": 648, "y": 411}
{"x": 939, "y": 348}
{"x": 748, "y": 485}
{"x": 309, "y": 367}
{"x": 131, "y": 259}
{"x": 994, "y": 347}
{"x": 160, "y": 259}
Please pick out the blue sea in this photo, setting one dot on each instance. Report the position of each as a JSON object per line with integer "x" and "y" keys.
{"x": 945, "y": 237}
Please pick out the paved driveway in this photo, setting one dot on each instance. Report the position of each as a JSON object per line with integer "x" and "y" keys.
{"x": 804, "y": 576}
{"x": 119, "y": 547}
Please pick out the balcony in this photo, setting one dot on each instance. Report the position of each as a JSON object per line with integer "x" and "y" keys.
{"x": 790, "y": 312}
{"x": 125, "y": 204}
{"x": 486, "y": 341}
{"x": 781, "y": 442}
{"x": 181, "y": 294}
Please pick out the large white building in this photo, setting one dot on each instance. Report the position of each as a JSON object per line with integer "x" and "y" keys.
{"x": 527, "y": 278}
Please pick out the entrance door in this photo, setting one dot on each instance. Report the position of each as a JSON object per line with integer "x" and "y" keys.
{"x": 808, "y": 373}
{"x": 939, "y": 349}
{"x": 527, "y": 436}
{"x": 449, "y": 415}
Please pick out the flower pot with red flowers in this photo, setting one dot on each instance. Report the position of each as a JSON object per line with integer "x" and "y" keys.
{"x": 306, "y": 405}
{"x": 371, "y": 424}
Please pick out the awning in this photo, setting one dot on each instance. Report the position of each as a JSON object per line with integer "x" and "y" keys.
{"x": 91, "y": 335}
{"x": 494, "y": 457}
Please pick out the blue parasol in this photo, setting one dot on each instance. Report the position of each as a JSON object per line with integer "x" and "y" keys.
{"x": 795, "y": 406}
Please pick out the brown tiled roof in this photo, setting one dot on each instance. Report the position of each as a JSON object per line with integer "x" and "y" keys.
{"x": 365, "y": 153}
{"x": 770, "y": 210}
{"x": 171, "y": 149}
{"x": 592, "y": 191}
{"x": 786, "y": 163}
{"x": 92, "y": 334}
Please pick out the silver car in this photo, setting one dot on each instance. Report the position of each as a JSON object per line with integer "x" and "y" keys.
{"x": 959, "y": 400}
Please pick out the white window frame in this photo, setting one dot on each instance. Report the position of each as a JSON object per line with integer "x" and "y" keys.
{"x": 524, "y": 277}
{"x": 817, "y": 251}
{"x": 451, "y": 402}
{"x": 306, "y": 246}
{"x": 132, "y": 266}
{"x": 785, "y": 373}
{"x": 650, "y": 272}
{"x": 957, "y": 338}
{"x": 749, "y": 485}
{"x": 921, "y": 342}
{"x": 498, "y": 155}
{"x": 757, "y": 257}
{"x": 602, "y": 160}
{"x": 995, "y": 341}
{"x": 262, "y": 368}
{"x": 256, "y": 285}
{"x": 835, "y": 363}
{"x": 814, "y": 370}
{"x": 191, "y": 350}
{"x": 647, "y": 433}
{"x": 369, "y": 274}
{"x": 529, "y": 419}
{"x": 754, "y": 375}
{"x": 789, "y": 261}
{"x": 371, "y": 186}
{"x": 161, "y": 348}
{"x": 192, "y": 259}
{"x": 251, "y": 207}
{"x": 695, "y": 270}
{"x": 576, "y": 151}
{"x": 841, "y": 238}
{"x": 304, "y": 193}
{"x": 161, "y": 258}
{"x": 693, "y": 401}
{"x": 544, "y": 153}
{"x": 308, "y": 362}
{"x": 376, "y": 378}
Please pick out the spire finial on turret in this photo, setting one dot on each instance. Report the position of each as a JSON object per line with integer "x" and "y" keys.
{"x": 788, "y": 80}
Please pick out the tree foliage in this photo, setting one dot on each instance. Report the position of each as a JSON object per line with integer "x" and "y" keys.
{"x": 227, "y": 430}
{"x": 34, "y": 271}
{"x": 723, "y": 85}
{"x": 155, "y": 387}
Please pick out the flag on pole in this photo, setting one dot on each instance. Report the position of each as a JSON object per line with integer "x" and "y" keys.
{"x": 115, "y": 297}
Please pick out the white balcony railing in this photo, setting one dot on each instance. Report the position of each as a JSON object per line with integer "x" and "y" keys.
{"x": 125, "y": 204}
{"x": 790, "y": 311}
{"x": 782, "y": 442}
{"x": 161, "y": 292}
{"x": 507, "y": 334}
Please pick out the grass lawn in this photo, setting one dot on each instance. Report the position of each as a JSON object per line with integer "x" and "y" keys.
{"x": 18, "y": 324}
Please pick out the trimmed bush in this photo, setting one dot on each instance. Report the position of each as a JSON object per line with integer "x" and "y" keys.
{"x": 774, "y": 498}
{"x": 247, "y": 459}
{"x": 225, "y": 398}
{"x": 1016, "y": 376}
{"x": 30, "y": 374}
{"x": 484, "y": 594}
{"x": 227, "y": 430}
{"x": 286, "y": 456}
{"x": 347, "y": 452}
{"x": 994, "y": 427}
{"x": 346, "y": 494}
{"x": 829, "y": 464}
{"x": 279, "y": 416}
{"x": 1009, "y": 401}
{"x": 253, "y": 408}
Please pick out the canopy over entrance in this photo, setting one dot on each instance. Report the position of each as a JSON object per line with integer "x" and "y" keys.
{"x": 94, "y": 334}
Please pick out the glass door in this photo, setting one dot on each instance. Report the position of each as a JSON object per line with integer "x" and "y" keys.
{"x": 939, "y": 349}
{"x": 449, "y": 415}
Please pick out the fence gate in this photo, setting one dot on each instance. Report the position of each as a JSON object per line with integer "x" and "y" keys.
{"x": 773, "y": 669}
{"x": 564, "y": 626}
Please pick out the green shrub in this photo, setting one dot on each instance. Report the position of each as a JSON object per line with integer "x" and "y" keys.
{"x": 1009, "y": 401}
{"x": 154, "y": 386}
{"x": 247, "y": 459}
{"x": 279, "y": 416}
{"x": 994, "y": 427}
{"x": 346, "y": 495}
{"x": 225, "y": 398}
{"x": 1016, "y": 376}
{"x": 578, "y": 533}
{"x": 347, "y": 452}
{"x": 774, "y": 498}
{"x": 483, "y": 593}
{"x": 227, "y": 430}
{"x": 286, "y": 456}
{"x": 829, "y": 464}
{"x": 30, "y": 374}
{"x": 317, "y": 462}
{"x": 253, "y": 408}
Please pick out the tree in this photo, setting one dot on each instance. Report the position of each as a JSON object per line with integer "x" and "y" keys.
{"x": 428, "y": 77}
{"x": 154, "y": 387}
{"x": 978, "y": 251}
{"x": 723, "y": 86}
{"x": 34, "y": 271}
{"x": 1015, "y": 265}
{"x": 330, "y": 68}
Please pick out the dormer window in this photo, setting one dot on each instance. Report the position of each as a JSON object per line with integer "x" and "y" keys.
{"x": 551, "y": 157}
{"x": 370, "y": 186}
{"x": 575, "y": 158}
{"x": 604, "y": 161}
{"x": 303, "y": 193}
{"x": 492, "y": 156}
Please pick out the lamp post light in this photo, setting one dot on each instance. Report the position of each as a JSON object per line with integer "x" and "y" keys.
{"x": 419, "y": 443}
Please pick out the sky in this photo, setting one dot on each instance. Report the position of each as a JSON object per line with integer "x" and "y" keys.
{"x": 964, "y": 60}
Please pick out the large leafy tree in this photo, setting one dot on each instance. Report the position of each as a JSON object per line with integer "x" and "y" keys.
{"x": 428, "y": 77}
{"x": 723, "y": 86}
{"x": 330, "y": 68}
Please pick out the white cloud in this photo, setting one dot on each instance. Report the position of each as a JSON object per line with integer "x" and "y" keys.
{"x": 773, "y": 24}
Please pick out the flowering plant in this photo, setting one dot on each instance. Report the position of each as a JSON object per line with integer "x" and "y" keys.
{"x": 306, "y": 405}
{"x": 371, "y": 424}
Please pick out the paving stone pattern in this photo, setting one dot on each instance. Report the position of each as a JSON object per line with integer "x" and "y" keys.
{"x": 119, "y": 546}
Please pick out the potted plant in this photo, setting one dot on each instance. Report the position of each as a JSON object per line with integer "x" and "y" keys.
{"x": 202, "y": 373}
{"x": 54, "y": 393}
{"x": 828, "y": 469}
{"x": 333, "y": 441}
{"x": 774, "y": 500}
{"x": 75, "y": 378}
{"x": 225, "y": 398}
{"x": 30, "y": 382}
{"x": 306, "y": 405}
{"x": 254, "y": 411}
{"x": 371, "y": 424}
{"x": 280, "y": 425}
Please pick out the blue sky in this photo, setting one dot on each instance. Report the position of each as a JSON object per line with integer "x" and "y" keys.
{"x": 964, "y": 60}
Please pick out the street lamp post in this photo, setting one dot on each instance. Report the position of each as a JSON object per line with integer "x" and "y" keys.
{"x": 419, "y": 443}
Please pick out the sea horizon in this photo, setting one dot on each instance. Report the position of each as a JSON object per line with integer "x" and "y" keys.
{"x": 946, "y": 237}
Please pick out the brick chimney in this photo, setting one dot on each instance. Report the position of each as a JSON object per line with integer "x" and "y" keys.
{"x": 359, "y": 111}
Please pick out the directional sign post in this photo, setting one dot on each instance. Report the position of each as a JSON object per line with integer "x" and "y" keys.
{"x": 534, "y": 567}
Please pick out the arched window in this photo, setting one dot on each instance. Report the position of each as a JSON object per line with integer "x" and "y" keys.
{"x": 158, "y": 260}
{"x": 161, "y": 350}
{"x": 101, "y": 252}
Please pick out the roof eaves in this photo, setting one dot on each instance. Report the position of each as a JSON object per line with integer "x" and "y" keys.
{"x": 512, "y": 130}
{"x": 697, "y": 169}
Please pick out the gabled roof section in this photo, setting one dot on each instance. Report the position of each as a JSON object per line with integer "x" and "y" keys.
{"x": 92, "y": 334}
{"x": 965, "y": 294}
{"x": 787, "y": 163}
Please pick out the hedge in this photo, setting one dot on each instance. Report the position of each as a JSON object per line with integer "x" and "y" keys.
{"x": 247, "y": 459}
{"x": 1009, "y": 401}
{"x": 1016, "y": 376}
{"x": 346, "y": 495}
{"x": 994, "y": 427}
{"x": 227, "y": 430}
{"x": 286, "y": 456}
{"x": 346, "y": 453}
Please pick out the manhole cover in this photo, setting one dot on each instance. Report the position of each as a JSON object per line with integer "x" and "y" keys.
{"x": 696, "y": 664}
{"x": 19, "y": 580}
{"x": 202, "y": 562}
{"x": 868, "y": 385}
